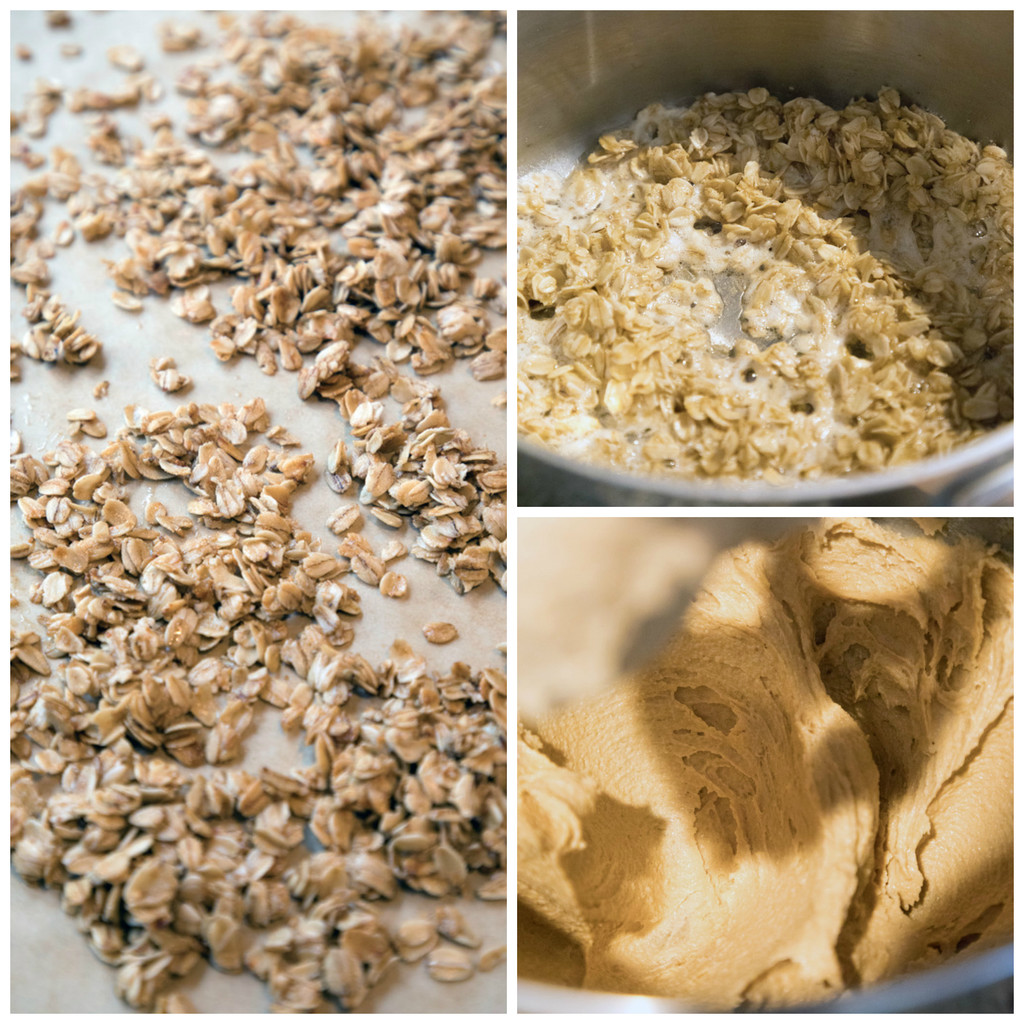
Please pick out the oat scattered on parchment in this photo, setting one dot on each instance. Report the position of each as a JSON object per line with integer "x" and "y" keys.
{"x": 440, "y": 632}
{"x": 131, "y": 686}
{"x": 166, "y": 633}
{"x": 416, "y": 206}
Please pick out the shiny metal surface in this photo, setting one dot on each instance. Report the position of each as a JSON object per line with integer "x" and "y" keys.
{"x": 978, "y": 984}
{"x": 958, "y": 478}
{"x": 582, "y": 73}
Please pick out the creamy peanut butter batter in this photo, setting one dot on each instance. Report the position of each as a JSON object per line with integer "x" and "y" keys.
{"x": 809, "y": 791}
{"x": 747, "y": 288}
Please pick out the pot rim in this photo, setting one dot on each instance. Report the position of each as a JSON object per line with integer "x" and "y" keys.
{"x": 936, "y": 469}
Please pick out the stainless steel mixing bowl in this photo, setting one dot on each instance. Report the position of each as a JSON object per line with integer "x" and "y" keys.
{"x": 970, "y": 982}
{"x": 584, "y": 72}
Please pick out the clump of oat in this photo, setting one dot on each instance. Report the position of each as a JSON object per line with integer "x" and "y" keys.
{"x": 164, "y": 373}
{"x": 752, "y": 288}
{"x": 416, "y": 208}
{"x": 125, "y": 57}
{"x": 85, "y": 421}
{"x": 418, "y": 468}
{"x": 157, "y": 654}
{"x": 56, "y": 334}
{"x": 176, "y": 37}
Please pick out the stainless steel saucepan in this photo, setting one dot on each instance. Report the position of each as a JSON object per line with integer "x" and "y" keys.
{"x": 584, "y": 72}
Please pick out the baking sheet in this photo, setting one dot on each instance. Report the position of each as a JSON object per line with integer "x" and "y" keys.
{"x": 41, "y": 935}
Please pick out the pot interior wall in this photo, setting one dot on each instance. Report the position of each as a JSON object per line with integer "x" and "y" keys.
{"x": 581, "y": 73}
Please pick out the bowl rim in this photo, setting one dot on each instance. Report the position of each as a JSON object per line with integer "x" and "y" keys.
{"x": 935, "y": 470}
{"x": 956, "y": 977}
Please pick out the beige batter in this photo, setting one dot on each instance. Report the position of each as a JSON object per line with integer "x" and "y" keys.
{"x": 810, "y": 790}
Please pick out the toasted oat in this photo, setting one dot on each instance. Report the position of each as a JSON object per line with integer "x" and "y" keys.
{"x": 56, "y": 334}
{"x": 338, "y": 477}
{"x": 126, "y": 302}
{"x": 164, "y": 373}
{"x": 451, "y": 925}
{"x": 393, "y": 584}
{"x": 193, "y": 304}
{"x": 393, "y": 549}
{"x": 125, "y": 57}
{"x": 285, "y": 438}
{"x": 92, "y": 426}
{"x": 494, "y": 889}
{"x": 175, "y": 38}
{"x": 449, "y": 965}
{"x": 491, "y": 958}
{"x": 85, "y": 421}
{"x": 343, "y": 519}
{"x": 174, "y": 1002}
{"x": 489, "y": 366}
{"x": 387, "y": 517}
{"x": 415, "y": 938}
{"x": 166, "y": 634}
{"x": 64, "y": 233}
{"x": 440, "y": 632}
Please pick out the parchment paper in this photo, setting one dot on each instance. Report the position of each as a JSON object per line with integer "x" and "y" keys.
{"x": 52, "y": 969}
